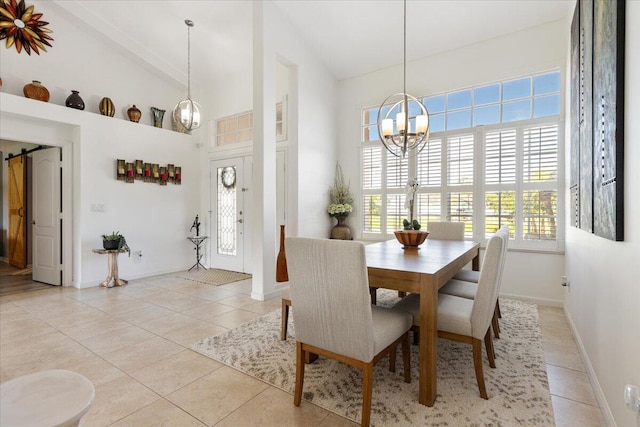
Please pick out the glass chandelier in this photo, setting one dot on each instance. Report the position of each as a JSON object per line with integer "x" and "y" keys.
{"x": 187, "y": 112}
{"x": 397, "y": 134}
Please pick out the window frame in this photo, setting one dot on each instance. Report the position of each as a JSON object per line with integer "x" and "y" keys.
{"x": 479, "y": 188}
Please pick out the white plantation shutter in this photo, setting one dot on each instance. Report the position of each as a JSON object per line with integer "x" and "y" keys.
{"x": 499, "y": 175}
{"x": 540, "y": 213}
{"x": 371, "y": 168}
{"x": 487, "y": 176}
{"x": 460, "y": 209}
{"x": 429, "y": 207}
{"x": 540, "y": 157}
{"x": 499, "y": 210}
{"x": 460, "y": 160}
{"x": 500, "y": 157}
{"x": 397, "y": 171}
{"x": 395, "y": 212}
{"x": 429, "y": 164}
{"x": 371, "y": 208}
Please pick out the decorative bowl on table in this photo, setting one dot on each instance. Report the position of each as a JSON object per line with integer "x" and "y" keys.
{"x": 411, "y": 239}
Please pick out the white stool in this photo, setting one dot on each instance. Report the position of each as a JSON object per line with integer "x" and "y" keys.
{"x": 53, "y": 398}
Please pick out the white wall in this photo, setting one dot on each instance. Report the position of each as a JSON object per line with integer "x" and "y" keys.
{"x": 531, "y": 276}
{"x": 154, "y": 219}
{"x": 603, "y": 300}
{"x": 96, "y": 68}
{"x": 312, "y": 130}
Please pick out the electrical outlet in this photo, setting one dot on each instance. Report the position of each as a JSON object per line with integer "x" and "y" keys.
{"x": 564, "y": 281}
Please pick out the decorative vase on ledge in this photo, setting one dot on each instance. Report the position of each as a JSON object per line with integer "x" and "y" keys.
{"x": 341, "y": 230}
{"x": 35, "y": 90}
{"x": 134, "y": 114}
{"x": 158, "y": 116}
{"x": 74, "y": 101}
{"x": 106, "y": 107}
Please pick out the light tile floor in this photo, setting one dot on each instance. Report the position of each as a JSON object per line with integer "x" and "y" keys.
{"x": 133, "y": 344}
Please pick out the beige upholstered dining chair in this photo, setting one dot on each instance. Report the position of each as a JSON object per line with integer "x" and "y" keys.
{"x": 445, "y": 230}
{"x": 333, "y": 315}
{"x": 464, "y": 283}
{"x": 466, "y": 320}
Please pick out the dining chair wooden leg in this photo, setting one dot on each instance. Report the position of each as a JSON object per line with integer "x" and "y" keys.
{"x": 498, "y": 308}
{"x": 367, "y": 391}
{"x": 285, "y": 319}
{"x": 406, "y": 358}
{"x": 495, "y": 325}
{"x": 402, "y": 294}
{"x": 477, "y": 364}
{"x": 488, "y": 343}
{"x": 374, "y": 295}
{"x": 392, "y": 358}
{"x": 297, "y": 394}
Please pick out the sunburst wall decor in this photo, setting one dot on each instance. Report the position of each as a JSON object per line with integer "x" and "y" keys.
{"x": 23, "y": 28}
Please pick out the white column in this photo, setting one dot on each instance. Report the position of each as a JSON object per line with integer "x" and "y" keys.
{"x": 264, "y": 156}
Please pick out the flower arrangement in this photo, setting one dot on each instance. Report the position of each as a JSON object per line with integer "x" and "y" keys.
{"x": 410, "y": 190}
{"x": 339, "y": 209}
{"x": 341, "y": 199}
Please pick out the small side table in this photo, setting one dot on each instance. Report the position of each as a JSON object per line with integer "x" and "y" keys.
{"x": 197, "y": 240}
{"x": 112, "y": 268}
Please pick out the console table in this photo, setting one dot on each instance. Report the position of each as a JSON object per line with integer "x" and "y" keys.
{"x": 197, "y": 241}
{"x": 112, "y": 268}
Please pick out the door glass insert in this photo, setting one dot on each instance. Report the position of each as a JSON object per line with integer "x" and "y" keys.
{"x": 227, "y": 212}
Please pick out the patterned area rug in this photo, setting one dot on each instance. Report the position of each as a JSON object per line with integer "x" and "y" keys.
{"x": 518, "y": 388}
{"x": 213, "y": 276}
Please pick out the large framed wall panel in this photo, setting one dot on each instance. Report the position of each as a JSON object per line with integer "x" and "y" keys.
{"x": 586, "y": 114}
{"x": 597, "y": 140}
{"x": 574, "y": 103}
{"x": 608, "y": 115}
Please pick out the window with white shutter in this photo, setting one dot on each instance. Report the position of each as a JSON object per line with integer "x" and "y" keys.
{"x": 500, "y": 180}
{"x": 460, "y": 160}
{"x": 492, "y": 160}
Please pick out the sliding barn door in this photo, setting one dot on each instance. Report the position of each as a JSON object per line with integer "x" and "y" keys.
{"x": 17, "y": 211}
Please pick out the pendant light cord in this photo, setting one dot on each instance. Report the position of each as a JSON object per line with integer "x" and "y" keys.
{"x": 404, "y": 83}
{"x": 189, "y": 25}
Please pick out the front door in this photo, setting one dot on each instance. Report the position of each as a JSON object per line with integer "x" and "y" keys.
{"x": 230, "y": 219}
{"x": 46, "y": 216}
{"x": 18, "y": 211}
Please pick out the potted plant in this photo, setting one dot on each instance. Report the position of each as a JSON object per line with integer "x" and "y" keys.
{"x": 113, "y": 241}
{"x": 340, "y": 206}
{"x": 411, "y": 236}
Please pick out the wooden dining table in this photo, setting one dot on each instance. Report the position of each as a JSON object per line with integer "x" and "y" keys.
{"x": 422, "y": 271}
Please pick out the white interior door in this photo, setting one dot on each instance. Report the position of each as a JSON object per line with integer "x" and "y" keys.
{"x": 230, "y": 245}
{"x": 46, "y": 216}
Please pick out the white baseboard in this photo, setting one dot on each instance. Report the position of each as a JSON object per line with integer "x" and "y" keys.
{"x": 276, "y": 293}
{"x": 96, "y": 282}
{"x": 597, "y": 390}
{"x": 539, "y": 301}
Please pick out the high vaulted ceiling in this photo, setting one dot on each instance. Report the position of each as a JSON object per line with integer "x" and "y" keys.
{"x": 352, "y": 37}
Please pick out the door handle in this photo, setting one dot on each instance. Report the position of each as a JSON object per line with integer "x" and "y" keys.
{"x": 240, "y": 221}
{"x": 20, "y": 211}
{"x": 33, "y": 222}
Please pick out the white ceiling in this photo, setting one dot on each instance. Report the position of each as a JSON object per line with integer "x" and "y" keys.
{"x": 352, "y": 37}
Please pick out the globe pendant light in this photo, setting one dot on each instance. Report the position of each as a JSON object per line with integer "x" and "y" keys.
{"x": 396, "y": 134}
{"x": 187, "y": 112}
